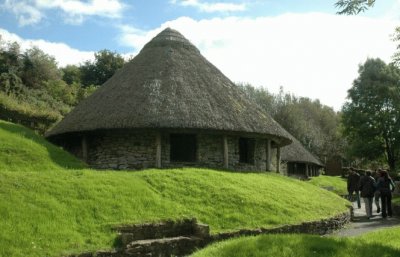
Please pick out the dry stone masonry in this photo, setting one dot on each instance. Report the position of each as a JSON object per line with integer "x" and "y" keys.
{"x": 183, "y": 237}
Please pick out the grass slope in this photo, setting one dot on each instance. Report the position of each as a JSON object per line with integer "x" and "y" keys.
{"x": 23, "y": 150}
{"x": 383, "y": 243}
{"x": 338, "y": 184}
{"x": 47, "y": 209}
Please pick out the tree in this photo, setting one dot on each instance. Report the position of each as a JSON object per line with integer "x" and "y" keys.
{"x": 353, "y": 7}
{"x": 315, "y": 125}
{"x": 71, "y": 74}
{"x": 106, "y": 63}
{"x": 39, "y": 67}
{"x": 371, "y": 117}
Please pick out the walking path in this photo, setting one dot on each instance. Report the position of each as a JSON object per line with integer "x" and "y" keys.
{"x": 361, "y": 224}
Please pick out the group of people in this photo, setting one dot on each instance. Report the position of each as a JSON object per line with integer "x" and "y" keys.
{"x": 368, "y": 187}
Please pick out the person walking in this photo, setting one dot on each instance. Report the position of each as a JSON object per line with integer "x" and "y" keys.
{"x": 353, "y": 186}
{"x": 367, "y": 189}
{"x": 377, "y": 194}
{"x": 386, "y": 186}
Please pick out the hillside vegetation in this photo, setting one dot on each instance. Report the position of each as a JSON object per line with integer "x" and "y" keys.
{"x": 51, "y": 205}
{"x": 336, "y": 184}
{"x": 385, "y": 243}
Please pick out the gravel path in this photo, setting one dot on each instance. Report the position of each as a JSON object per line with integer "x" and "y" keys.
{"x": 361, "y": 224}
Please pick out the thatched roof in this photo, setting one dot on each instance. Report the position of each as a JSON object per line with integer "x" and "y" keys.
{"x": 169, "y": 84}
{"x": 296, "y": 152}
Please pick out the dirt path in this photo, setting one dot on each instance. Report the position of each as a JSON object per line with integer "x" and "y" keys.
{"x": 361, "y": 224}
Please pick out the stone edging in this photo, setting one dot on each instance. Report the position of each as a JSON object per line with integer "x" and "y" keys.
{"x": 320, "y": 227}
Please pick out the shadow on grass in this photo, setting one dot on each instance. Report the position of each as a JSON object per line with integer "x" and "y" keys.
{"x": 56, "y": 154}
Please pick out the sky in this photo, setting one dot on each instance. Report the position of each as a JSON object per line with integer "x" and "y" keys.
{"x": 299, "y": 45}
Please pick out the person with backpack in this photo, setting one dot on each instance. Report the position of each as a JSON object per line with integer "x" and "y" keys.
{"x": 367, "y": 188}
{"x": 386, "y": 186}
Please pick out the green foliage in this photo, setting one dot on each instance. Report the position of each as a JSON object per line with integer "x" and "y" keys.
{"x": 33, "y": 87}
{"x": 353, "y": 7}
{"x": 106, "y": 63}
{"x": 371, "y": 118}
{"x": 62, "y": 210}
{"x": 396, "y": 55}
{"x": 315, "y": 125}
{"x": 338, "y": 184}
{"x": 382, "y": 243}
{"x": 38, "y": 68}
{"x": 71, "y": 74}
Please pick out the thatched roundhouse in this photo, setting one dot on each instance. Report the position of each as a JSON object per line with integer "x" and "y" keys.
{"x": 170, "y": 107}
{"x": 297, "y": 161}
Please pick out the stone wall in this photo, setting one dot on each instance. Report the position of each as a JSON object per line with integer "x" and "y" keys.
{"x": 121, "y": 150}
{"x": 181, "y": 238}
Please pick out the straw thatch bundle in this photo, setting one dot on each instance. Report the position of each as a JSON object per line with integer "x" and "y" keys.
{"x": 297, "y": 153}
{"x": 169, "y": 84}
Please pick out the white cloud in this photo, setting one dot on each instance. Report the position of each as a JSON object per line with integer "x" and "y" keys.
{"x": 63, "y": 53}
{"x": 211, "y": 7}
{"x": 30, "y": 12}
{"x": 314, "y": 55}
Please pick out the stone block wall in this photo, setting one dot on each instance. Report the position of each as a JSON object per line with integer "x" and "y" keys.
{"x": 122, "y": 150}
{"x": 133, "y": 150}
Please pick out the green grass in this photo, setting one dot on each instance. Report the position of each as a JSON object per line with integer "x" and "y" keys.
{"x": 383, "y": 243}
{"x": 338, "y": 184}
{"x": 396, "y": 199}
{"x": 50, "y": 205}
{"x": 23, "y": 150}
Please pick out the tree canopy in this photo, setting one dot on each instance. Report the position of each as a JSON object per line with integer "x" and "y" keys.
{"x": 371, "y": 117}
{"x": 31, "y": 83}
{"x": 315, "y": 125}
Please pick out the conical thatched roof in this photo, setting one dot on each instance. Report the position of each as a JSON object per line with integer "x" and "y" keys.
{"x": 296, "y": 152}
{"x": 169, "y": 84}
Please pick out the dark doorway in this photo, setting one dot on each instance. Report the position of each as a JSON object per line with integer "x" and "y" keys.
{"x": 183, "y": 147}
{"x": 246, "y": 150}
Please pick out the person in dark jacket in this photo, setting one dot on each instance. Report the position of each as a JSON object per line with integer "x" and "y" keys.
{"x": 367, "y": 188}
{"x": 353, "y": 186}
{"x": 386, "y": 186}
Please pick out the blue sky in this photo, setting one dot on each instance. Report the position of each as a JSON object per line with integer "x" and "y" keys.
{"x": 298, "y": 44}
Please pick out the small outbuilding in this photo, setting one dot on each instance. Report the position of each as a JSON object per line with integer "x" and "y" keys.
{"x": 170, "y": 107}
{"x": 297, "y": 161}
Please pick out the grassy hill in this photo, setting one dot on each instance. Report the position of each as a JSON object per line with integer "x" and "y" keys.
{"x": 51, "y": 205}
{"x": 384, "y": 242}
{"x": 336, "y": 184}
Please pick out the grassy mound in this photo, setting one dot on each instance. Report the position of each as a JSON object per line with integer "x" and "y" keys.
{"x": 337, "y": 184}
{"x": 48, "y": 210}
{"x": 23, "y": 150}
{"x": 381, "y": 243}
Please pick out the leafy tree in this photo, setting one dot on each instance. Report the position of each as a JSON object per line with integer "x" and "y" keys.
{"x": 38, "y": 68}
{"x": 353, "y": 6}
{"x": 10, "y": 68}
{"x": 71, "y": 74}
{"x": 106, "y": 63}
{"x": 315, "y": 125}
{"x": 371, "y": 117}
{"x": 396, "y": 55}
